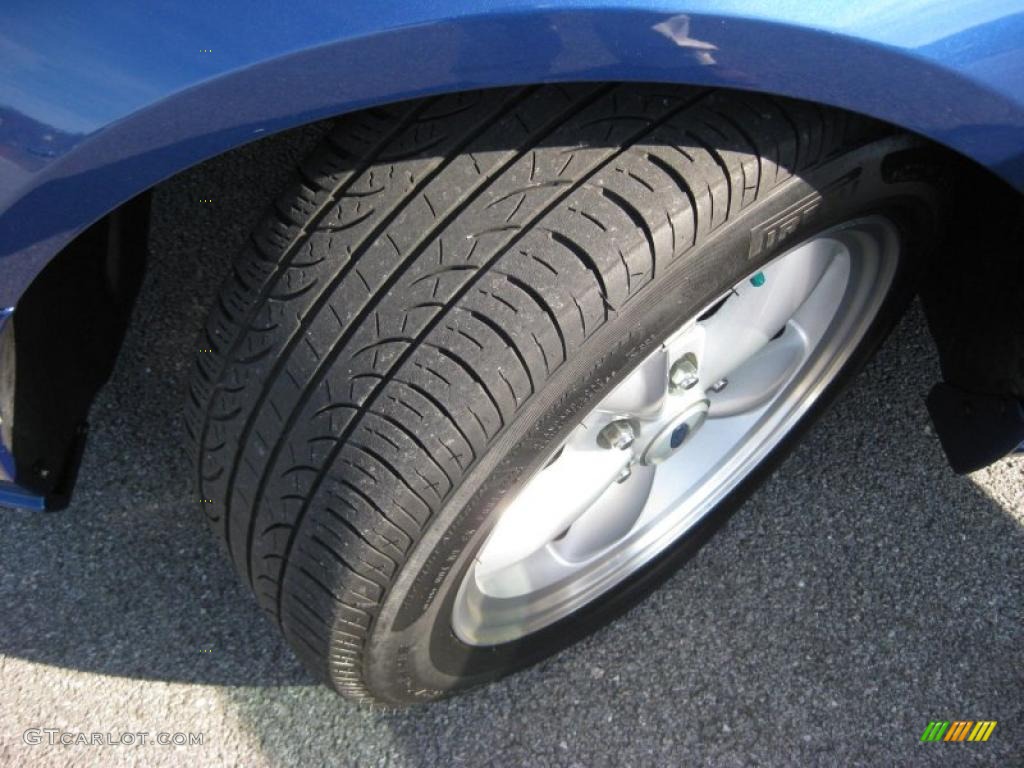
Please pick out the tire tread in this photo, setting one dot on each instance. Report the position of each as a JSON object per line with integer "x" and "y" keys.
{"x": 429, "y": 268}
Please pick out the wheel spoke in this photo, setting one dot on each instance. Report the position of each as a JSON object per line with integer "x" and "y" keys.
{"x": 758, "y": 379}
{"x": 756, "y": 311}
{"x": 643, "y": 391}
{"x": 610, "y": 518}
{"x": 553, "y": 500}
{"x": 815, "y": 314}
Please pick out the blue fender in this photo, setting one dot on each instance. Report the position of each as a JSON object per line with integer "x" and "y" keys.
{"x": 101, "y": 101}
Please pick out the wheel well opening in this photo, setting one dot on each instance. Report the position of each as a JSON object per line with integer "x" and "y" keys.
{"x": 68, "y": 328}
{"x": 71, "y": 321}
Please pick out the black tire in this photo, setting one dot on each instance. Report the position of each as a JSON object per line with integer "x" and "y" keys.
{"x": 447, "y": 283}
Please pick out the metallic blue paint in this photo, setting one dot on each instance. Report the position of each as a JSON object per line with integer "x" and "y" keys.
{"x": 16, "y": 498}
{"x": 99, "y": 101}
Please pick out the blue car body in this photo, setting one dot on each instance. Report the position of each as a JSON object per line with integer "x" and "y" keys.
{"x": 99, "y": 102}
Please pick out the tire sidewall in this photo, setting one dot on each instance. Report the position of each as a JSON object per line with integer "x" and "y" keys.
{"x": 412, "y": 653}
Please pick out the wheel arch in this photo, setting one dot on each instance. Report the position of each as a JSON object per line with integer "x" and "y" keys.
{"x": 96, "y": 179}
{"x": 193, "y": 116}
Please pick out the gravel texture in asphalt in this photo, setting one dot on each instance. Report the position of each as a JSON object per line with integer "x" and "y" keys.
{"x": 862, "y": 592}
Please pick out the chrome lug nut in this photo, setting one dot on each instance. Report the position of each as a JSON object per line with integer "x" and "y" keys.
{"x": 624, "y": 475}
{"x": 619, "y": 434}
{"x": 683, "y": 373}
{"x": 719, "y": 385}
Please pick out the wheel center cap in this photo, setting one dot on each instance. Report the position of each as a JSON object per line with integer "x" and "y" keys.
{"x": 675, "y": 434}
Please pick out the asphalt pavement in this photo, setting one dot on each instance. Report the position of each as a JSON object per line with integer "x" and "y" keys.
{"x": 864, "y": 591}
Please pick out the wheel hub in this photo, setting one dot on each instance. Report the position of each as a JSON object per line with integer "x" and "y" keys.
{"x": 676, "y": 433}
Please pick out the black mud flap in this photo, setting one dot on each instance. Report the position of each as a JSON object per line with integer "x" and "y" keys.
{"x": 973, "y": 295}
{"x": 974, "y": 429}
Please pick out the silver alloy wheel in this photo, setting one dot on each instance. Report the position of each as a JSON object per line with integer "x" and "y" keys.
{"x": 680, "y": 432}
